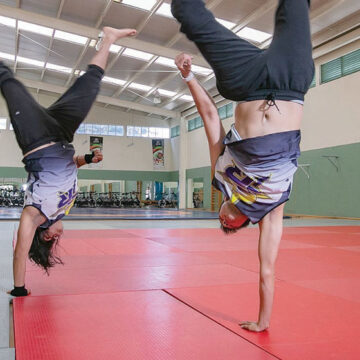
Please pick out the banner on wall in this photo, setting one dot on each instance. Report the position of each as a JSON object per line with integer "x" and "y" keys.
{"x": 158, "y": 153}
{"x": 96, "y": 143}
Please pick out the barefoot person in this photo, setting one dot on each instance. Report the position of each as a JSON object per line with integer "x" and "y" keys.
{"x": 254, "y": 163}
{"x": 44, "y": 136}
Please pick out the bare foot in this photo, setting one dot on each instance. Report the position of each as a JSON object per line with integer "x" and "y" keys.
{"x": 112, "y": 34}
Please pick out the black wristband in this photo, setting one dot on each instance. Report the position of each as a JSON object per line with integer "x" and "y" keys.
{"x": 19, "y": 291}
{"x": 88, "y": 158}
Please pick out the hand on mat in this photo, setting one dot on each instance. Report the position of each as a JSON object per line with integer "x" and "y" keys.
{"x": 183, "y": 62}
{"x": 252, "y": 326}
{"x": 10, "y": 293}
{"x": 98, "y": 156}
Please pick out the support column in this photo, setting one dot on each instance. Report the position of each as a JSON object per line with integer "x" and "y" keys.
{"x": 190, "y": 190}
{"x": 182, "y": 164}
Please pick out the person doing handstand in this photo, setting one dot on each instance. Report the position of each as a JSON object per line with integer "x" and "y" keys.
{"x": 254, "y": 163}
{"x": 44, "y": 136}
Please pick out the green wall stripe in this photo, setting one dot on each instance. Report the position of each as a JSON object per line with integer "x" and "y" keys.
{"x": 328, "y": 192}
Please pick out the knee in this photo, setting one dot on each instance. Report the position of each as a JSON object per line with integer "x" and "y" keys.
{"x": 5, "y": 73}
{"x": 182, "y": 10}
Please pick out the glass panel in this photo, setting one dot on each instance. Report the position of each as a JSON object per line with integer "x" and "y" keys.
{"x": 112, "y": 130}
{"x": 88, "y": 128}
{"x": 229, "y": 110}
{"x": 104, "y": 130}
{"x": 81, "y": 129}
{"x": 198, "y": 122}
{"x": 331, "y": 70}
{"x": 191, "y": 125}
{"x": 119, "y": 130}
{"x": 166, "y": 133}
{"x": 351, "y": 62}
{"x": 152, "y": 132}
{"x": 145, "y": 132}
{"x": 3, "y": 123}
{"x": 130, "y": 131}
{"x": 222, "y": 112}
{"x": 137, "y": 131}
{"x": 313, "y": 83}
{"x": 96, "y": 129}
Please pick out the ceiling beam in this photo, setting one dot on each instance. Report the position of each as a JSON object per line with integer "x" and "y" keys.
{"x": 90, "y": 32}
{"x": 102, "y": 99}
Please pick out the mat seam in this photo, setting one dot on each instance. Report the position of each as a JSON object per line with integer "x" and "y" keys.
{"x": 217, "y": 322}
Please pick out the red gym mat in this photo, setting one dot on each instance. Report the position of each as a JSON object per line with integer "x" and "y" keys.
{"x": 126, "y": 326}
{"x": 306, "y": 324}
{"x": 213, "y": 278}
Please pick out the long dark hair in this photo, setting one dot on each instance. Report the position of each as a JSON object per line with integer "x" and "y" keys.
{"x": 42, "y": 252}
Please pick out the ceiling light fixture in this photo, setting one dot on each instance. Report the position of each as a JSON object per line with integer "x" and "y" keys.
{"x": 76, "y": 39}
{"x": 165, "y": 10}
{"x": 253, "y": 35}
{"x": 137, "y": 54}
{"x": 37, "y": 29}
{"x": 140, "y": 4}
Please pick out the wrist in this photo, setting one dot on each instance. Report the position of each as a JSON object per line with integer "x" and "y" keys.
{"x": 189, "y": 77}
{"x": 88, "y": 158}
{"x": 19, "y": 291}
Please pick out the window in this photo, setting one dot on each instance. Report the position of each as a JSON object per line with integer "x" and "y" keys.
{"x": 175, "y": 131}
{"x": 222, "y": 112}
{"x": 342, "y": 66}
{"x": 313, "y": 83}
{"x": 152, "y": 132}
{"x": 3, "y": 122}
{"x": 100, "y": 129}
{"x": 229, "y": 110}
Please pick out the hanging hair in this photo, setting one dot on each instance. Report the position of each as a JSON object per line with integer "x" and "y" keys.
{"x": 42, "y": 252}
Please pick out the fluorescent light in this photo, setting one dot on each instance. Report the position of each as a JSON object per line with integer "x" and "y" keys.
{"x": 37, "y": 29}
{"x": 201, "y": 70}
{"x": 28, "y": 61}
{"x": 138, "y": 54}
{"x": 228, "y": 24}
{"x": 92, "y": 43}
{"x": 58, "y": 68}
{"x": 166, "y": 93}
{"x": 141, "y": 4}
{"x": 114, "y": 81}
{"x": 165, "y": 10}
{"x": 253, "y": 35}
{"x": 7, "y": 56}
{"x": 166, "y": 62}
{"x": 7, "y": 21}
{"x": 187, "y": 98}
{"x": 62, "y": 35}
{"x": 115, "y": 48}
{"x": 140, "y": 87}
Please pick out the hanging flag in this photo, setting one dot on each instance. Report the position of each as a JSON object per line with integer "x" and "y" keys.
{"x": 158, "y": 153}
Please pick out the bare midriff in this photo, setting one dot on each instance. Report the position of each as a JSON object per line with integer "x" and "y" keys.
{"x": 257, "y": 118}
{"x": 38, "y": 148}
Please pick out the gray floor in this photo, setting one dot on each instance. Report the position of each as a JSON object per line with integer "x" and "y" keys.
{"x": 7, "y": 229}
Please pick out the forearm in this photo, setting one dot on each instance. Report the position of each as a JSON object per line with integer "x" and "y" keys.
{"x": 213, "y": 126}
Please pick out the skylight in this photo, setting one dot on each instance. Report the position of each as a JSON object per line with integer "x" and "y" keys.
{"x": 28, "y": 61}
{"x": 62, "y": 35}
{"x": 166, "y": 93}
{"x": 37, "y": 29}
{"x": 7, "y": 56}
{"x": 138, "y": 54}
{"x": 254, "y": 35}
{"x": 165, "y": 10}
{"x": 140, "y": 87}
{"x": 115, "y": 48}
{"x": 114, "y": 81}
{"x": 141, "y": 4}
{"x": 187, "y": 98}
{"x": 7, "y": 21}
{"x": 201, "y": 70}
{"x": 166, "y": 62}
{"x": 227, "y": 24}
{"x": 58, "y": 68}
